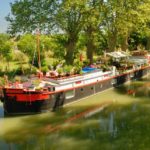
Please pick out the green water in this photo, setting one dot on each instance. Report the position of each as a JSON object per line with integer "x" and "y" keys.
{"x": 123, "y": 125}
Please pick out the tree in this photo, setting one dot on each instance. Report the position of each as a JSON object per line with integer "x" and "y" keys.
{"x": 70, "y": 19}
{"x": 58, "y": 49}
{"x": 65, "y": 15}
{"x": 122, "y": 17}
{"x": 7, "y": 52}
{"x": 116, "y": 19}
{"x": 21, "y": 58}
{"x": 3, "y": 39}
{"x": 6, "y": 47}
{"x": 94, "y": 9}
{"x": 27, "y": 44}
{"x": 136, "y": 39}
{"x": 28, "y": 15}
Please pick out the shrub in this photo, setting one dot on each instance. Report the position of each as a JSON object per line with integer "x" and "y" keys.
{"x": 2, "y": 81}
{"x": 55, "y": 63}
{"x": 33, "y": 70}
{"x": 86, "y": 62}
{"x": 44, "y": 69}
{"x": 60, "y": 71}
{"x": 67, "y": 69}
{"x": 19, "y": 71}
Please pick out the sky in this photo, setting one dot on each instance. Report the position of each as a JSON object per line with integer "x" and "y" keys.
{"x": 4, "y": 10}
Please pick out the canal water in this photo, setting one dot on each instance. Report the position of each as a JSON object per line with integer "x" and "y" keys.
{"x": 123, "y": 124}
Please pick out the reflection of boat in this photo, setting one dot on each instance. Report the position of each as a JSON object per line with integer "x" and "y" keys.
{"x": 131, "y": 92}
{"x": 47, "y": 93}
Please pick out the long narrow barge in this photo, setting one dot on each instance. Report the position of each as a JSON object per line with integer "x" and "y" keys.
{"x": 54, "y": 93}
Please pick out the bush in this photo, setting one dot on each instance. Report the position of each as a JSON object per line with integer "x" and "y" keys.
{"x": 1, "y": 72}
{"x": 67, "y": 69}
{"x": 55, "y": 63}
{"x": 17, "y": 78}
{"x": 60, "y": 71}
{"x": 43, "y": 63}
{"x": 86, "y": 62}
{"x": 28, "y": 70}
{"x": 78, "y": 63}
{"x": 19, "y": 71}
{"x": 33, "y": 70}
{"x": 44, "y": 69}
{"x": 2, "y": 81}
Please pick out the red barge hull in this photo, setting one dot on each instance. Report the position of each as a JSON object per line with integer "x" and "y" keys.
{"x": 18, "y": 101}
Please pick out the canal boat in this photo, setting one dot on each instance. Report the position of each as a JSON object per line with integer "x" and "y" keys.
{"x": 40, "y": 94}
{"x": 48, "y": 94}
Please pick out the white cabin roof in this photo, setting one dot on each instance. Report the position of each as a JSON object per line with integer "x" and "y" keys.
{"x": 118, "y": 54}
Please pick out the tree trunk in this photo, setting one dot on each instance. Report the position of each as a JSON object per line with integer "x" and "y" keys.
{"x": 90, "y": 44}
{"x": 112, "y": 41}
{"x": 90, "y": 51}
{"x": 70, "y": 47}
{"x": 21, "y": 65}
{"x": 124, "y": 43}
{"x": 8, "y": 65}
{"x": 148, "y": 43}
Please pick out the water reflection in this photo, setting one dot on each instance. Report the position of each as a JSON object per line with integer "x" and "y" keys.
{"x": 103, "y": 124}
{"x": 123, "y": 125}
{"x": 112, "y": 127}
{"x": 134, "y": 107}
{"x": 91, "y": 134}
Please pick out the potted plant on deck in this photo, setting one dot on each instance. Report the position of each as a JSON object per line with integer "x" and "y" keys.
{"x": 67, "y": 70}
{"x": 60, "y": 72}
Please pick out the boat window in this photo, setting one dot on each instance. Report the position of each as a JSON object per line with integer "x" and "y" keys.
{"x": 113, "y": 81}
{"x": 53, "y": 88}
{"x": 131, "y": 75}
{"x": 49, "y": 88}
{"x": 69, "y": 94}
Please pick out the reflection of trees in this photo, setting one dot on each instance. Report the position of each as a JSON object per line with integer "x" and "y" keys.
{"x": 136, "y": 88}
